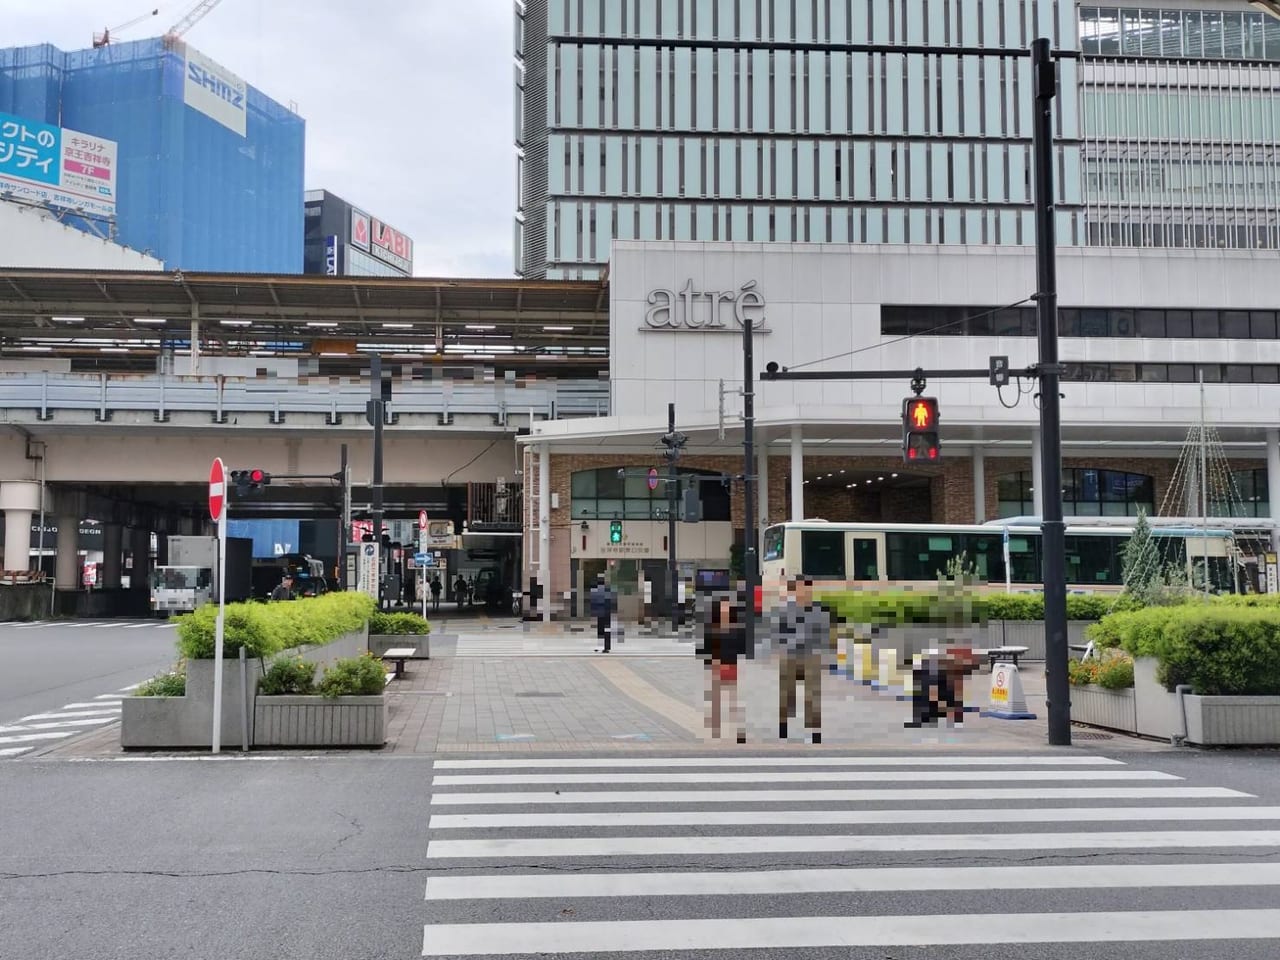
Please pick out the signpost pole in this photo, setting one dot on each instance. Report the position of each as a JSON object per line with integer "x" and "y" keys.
{"x": 749, "y": 532}
{"x": 673, "y": 484}
{"x": 218, "y": 507}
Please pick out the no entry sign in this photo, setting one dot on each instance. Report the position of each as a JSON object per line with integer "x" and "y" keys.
{"x": 217, "y": 489}
{"x": 653, "y": 478}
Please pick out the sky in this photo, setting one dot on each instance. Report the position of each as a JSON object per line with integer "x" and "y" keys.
{"x": 408, "y": 103}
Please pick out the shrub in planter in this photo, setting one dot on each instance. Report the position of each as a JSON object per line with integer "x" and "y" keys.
{"x": 288, "y": 676}
{"x": 397, "y": 624}
{"x": 1218, "y": 649}
{"x": 896, "y": 608}
{"x": 353, "y": 677}
{"x": 164, "y": 685}
{"x": 1113, "y": 672}
{"x": 264, "y": 629}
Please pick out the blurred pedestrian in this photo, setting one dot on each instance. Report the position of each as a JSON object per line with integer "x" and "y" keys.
{"x": 601, "y": 604}
{"x": 724, "y": 642}
{"x": 805, "y": 632}
{"x": 436, "y": 588}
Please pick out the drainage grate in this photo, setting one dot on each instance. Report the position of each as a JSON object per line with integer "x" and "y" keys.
{"x": 1091, "y": 736}
{"x": 539, "y": 693}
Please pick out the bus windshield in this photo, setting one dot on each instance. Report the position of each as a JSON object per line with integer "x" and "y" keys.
{"x": 773, "y": 540}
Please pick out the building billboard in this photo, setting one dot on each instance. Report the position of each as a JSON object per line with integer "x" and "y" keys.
{"x": 391, "y": 246}
{"x": 331, "y": 256}
{"x": 359, "y": 229}
{"x": 215, "y": 91}
{"x": 44, "y": 164}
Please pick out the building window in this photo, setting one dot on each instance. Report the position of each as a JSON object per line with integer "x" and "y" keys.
{"x": 1086, "y": 492}
{"x": 1248, "y": 496}
{"x": 605, "y": 495}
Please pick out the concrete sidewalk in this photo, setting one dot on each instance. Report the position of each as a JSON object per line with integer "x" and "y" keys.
{"x": 513, "y": 688}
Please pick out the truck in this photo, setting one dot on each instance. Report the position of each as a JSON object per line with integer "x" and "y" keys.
{"x": 190, "y": 578}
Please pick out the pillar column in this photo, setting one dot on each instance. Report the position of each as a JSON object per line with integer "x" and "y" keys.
{"x": 67, "y": 564}
{"x": 797, "y": 473}
{"x": 1273, "y": 482}
{"x": 979, "y": 486}
{"x": 111, "y": 546}
{"x": 762, "y": 479}
{"x": 1037, "y": 474}
{"x": 20, "y": 501}
{"x": 544, "y": 528}
{"x": 140, "y": 548}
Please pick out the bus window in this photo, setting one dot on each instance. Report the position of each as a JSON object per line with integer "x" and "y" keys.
{"x": 866, "y": 561}
{"x": 773, "y": 540}
{"x": 822, "y": 554}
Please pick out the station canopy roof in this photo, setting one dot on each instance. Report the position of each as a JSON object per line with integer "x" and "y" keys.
{"x": 533, "y": 325}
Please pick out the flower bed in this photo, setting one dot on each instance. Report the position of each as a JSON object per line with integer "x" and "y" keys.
{"x": 345, "y": 709}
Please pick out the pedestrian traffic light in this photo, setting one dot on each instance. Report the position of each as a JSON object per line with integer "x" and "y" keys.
{"x": 920, "y": 429}
{"x": 615, "y": 531}
{"x": 250, "y": 481}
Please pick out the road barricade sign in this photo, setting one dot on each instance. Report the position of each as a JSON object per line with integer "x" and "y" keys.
{"x": 1007, "y": 701}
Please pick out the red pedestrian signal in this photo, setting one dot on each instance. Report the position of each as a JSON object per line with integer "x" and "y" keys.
{"x": 920, "y": 430}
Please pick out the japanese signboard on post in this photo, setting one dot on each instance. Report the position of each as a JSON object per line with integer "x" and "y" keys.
{"x": 44, "y": 164}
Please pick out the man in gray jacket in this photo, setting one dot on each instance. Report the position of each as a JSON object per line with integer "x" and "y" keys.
{"x": 804, "y": 631}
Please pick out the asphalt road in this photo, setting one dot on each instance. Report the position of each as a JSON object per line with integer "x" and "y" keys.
{"x": 45, "y": 666}
{"x": 338, "y": 857}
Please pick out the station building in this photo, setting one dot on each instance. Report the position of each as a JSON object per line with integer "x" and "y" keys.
{"x": 1140, "y": 328}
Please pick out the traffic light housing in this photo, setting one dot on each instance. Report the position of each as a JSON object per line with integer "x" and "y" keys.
{"x": 250, "y": 481}
{"x": 920, "y": 442}
{"x": 615, "y": 531}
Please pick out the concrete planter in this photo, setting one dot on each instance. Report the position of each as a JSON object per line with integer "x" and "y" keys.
{"x": 1030, "y": 634}
{"x": 187, "y": 722}
{"x": 1233, "y": 721}
{"x": 1099, "y": 707}
{"x": 291, "y": 721}
{"x": 380, "y": 643}
{"x": 911, "y": 639}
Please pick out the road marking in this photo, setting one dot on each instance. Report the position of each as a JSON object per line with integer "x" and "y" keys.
{"x": 851, "y": 880}
{"x": 745, "y": 933}
{"x": 132, "y": 686}
{"x": 528, "y": 763}
{"x": 800, "y": 776}
{"x": 23, "y": 738}
{"x": 12, "y": 751}
{"x": 735, "y": 844}
{"x": 96, "y": 706}
{"x": 60, "y": 721}
{"x": 115, "y": 697}
{"x": 709, "y": 818}
{"x": 103, "y": 626}
{"x": 139, "y": 626}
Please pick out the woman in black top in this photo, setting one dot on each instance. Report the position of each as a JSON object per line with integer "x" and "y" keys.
{"x": 723, "y": 643}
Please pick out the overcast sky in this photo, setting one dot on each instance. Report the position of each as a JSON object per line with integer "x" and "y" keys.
{"x": 408, "y": 102}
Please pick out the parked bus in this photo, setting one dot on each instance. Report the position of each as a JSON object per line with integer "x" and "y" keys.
{"x": 904, "y": 553}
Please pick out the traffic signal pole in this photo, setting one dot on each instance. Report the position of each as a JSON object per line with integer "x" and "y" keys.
{"x": 376, "y": 417}
{"x": 749, "y": 533}
{"x": 673, "y": 484}
{"x": 1058, "y": 692}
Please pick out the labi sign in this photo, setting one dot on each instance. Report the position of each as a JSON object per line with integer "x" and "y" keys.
{"x": 710, "y": 311}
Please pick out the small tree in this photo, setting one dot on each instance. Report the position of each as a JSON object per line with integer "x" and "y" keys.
{"x": 1141, "y": 569}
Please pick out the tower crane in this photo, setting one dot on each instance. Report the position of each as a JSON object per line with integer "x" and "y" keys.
{"x": 104, "y": 38}
{"x": 194, "y": 16}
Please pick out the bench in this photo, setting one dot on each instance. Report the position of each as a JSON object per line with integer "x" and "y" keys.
{"x": 399, "y": 655}
{"x": 1008, "y": 654}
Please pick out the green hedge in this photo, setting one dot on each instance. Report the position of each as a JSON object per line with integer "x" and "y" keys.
{"x": 382, "y": 624}
{"x": 899, "y": 607}
{"x": 264, "y": 629}
{"x": 1219, "y": 648}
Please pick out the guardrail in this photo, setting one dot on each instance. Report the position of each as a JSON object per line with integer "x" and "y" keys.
{"x": 224, "y": 396}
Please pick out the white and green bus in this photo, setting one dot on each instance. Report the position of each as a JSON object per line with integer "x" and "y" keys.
{"x": 905, "y": 553}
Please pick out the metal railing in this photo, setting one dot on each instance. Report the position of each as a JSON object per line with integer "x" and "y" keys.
{"x": 277, "y": 397}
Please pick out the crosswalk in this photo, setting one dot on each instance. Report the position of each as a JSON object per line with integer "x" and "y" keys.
{"x": 714, "y": 855}
{"x": 568, "y": 645}
{"x": 39, "y": 729}
{"x": 94, "y": 625}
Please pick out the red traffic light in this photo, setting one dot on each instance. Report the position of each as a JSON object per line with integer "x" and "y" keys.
{"x": 922, "y": 414}
{"x": 256, "y": 476}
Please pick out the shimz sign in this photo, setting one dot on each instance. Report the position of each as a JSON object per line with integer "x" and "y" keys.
{"x": 709, "y": 310}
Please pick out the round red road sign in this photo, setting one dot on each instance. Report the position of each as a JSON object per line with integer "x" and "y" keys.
{"x": 653, "y": 478}
{"x": 217, "y": 489}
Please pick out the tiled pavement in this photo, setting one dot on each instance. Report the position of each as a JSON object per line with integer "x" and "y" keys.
{"x": 525, "y": 703}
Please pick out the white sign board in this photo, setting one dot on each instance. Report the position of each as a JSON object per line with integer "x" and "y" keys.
{"x": 369, "y": 569}
{"x": 1273, "y": 573}
{"x": 215, "y": 91}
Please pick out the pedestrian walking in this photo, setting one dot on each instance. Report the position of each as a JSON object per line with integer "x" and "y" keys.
{"x": 436, "y": 588}
{"x": 460, "y": 590}
{"x": 724, "y": 642}
{"x": 284, "y": 589}
{"x": 804, "y": 631}
{"x": 601, "y": 604}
